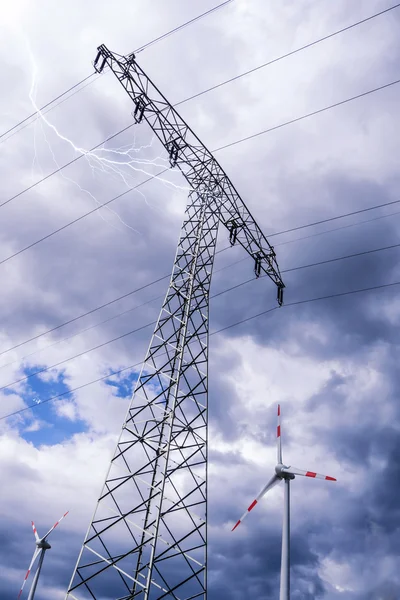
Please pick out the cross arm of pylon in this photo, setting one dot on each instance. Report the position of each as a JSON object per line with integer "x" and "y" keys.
{"x": 202, "y": 171}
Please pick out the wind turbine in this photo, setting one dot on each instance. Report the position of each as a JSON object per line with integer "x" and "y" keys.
{"x": 282, "y": 472}
{"x": 41, "y": 546}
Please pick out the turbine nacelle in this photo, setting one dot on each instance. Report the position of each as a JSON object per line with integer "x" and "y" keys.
{"x": 282, "y": 471}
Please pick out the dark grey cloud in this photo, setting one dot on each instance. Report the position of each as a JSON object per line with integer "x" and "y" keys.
{"x": 340, "y": 161}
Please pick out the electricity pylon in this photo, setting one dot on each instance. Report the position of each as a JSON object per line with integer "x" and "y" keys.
{"x": 148, "y": 537}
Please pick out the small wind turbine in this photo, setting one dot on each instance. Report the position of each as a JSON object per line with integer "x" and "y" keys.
{"x": 41, "y": 546}
{"x": 282, "y": 472}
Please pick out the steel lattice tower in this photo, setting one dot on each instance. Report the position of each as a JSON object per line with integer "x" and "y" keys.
{"x": 148, "y": 536}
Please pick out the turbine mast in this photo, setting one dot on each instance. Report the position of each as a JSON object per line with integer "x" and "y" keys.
{"x": 285, "y": 558}
{"x": 148, "y": 536}
{"x": 37, "y": 575}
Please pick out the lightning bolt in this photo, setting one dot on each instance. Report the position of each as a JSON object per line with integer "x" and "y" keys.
{"x": 121, "y": 163}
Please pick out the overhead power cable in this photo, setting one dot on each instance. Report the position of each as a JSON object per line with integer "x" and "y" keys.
{"x": 45, "y": 369}
{"x": 298, "y": 302}
{"x": 307, "y": 237}
{"x": 37, "y": 112}
{"x": 266, "y": 64}
{"x": 323, "y": 262}
{"x": 335, "y": 218}
{"x": 306, "y": 116}
{"x": 120, "y": 314}
{"x": 241, "y": 140}
{"x": 331, "y": 260}
{"x": 283, "y": 56}
{"x": 89, "y": 312}
{"x": 96, "y": 76}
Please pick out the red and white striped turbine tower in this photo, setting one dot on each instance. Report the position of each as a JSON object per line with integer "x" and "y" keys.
{"x": 41, "y": 546}
{"x": 285, "y": 474}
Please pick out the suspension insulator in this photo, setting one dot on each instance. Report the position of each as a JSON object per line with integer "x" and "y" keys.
{"x": 139, "y": 111}
{"x": 233, "y": 231}
{"x": 103, "y": 62}
{"x": 173, "y": 154}
{"x": 257, "y": 265}
{"x": 280, "y": 294}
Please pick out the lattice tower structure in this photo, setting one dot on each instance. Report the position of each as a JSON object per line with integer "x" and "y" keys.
{"x": 148, "y": 536}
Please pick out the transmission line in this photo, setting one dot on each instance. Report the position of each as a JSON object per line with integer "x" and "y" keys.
{"x": 124, "y": 312}
{"x": 89, "y": 312}
{"x": 254, "y": 135}
{"x": 112, "y": 340}
{"x": 331, "y": 260}
{"x": 336, "y": 259}
{"x": 306, "y": 116}
{"x": 266, "y": 64}
{"x": 140, "y": 49}
{"x": 323, "y": 262}
{"x": 335, "y": 218}
{"x": 307, "y": 237}
{"x": 298, "y": 302}
{"x": 283, "y": 56}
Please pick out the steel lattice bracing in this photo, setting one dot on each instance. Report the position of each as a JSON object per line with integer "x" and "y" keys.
{"x": 196, "y": 162}
{"x": 148, "y": 536}
{"x": 156, "y": 487}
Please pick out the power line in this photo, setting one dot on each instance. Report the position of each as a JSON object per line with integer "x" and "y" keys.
{"x": 93, "y": 310}
{"x": 176, "y": 29}
{"x": 348, "y": 293}
{"x": 283, "y": 56}
{"x": 89, "y": 312}
{"x": 45, "y": 369}
{"x": 216, "y": 149}
{"x": 311, "y": 114}
{"x": 349, "y": 214}
{"x": 109, "y": 341}
{"x": 46, "y": 105}
{"x": 65, "y": 165}
{"x": 90, "y": 212}
{"x": 88, "y": 77}
{"x": 331, "y": 260}
{"x": 120, "y": 314}
{"x": 213, "y": 296}
{"x": 264, "y": 312}
{"x": 307, "y": 237}
{"x": 357, "y": 254}
{"x": 279, "y": 58}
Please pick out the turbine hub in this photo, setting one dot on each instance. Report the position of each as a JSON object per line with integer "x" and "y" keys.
{"x": 281, "y": 473}
{"x": 278, "y": 470}
{"x": 43, "y": 544}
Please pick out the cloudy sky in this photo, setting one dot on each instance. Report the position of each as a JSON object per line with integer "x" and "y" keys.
{"x": 332, "y": 363}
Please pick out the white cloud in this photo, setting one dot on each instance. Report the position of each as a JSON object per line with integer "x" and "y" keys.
{"x": 294, "y": 175}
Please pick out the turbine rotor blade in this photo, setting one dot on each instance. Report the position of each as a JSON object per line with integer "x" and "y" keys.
{"x": 295, "y": 471}
{"x": 271, "y": 483}
{"x": 35, "y": 532}
{"x": 278, "y": 437}
{"x": 55, "y": 525}
{"x": 34, "y": 557}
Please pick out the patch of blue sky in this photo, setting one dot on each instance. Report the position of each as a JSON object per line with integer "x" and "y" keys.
{"x": 43, "y": 425}
{"x": 123, "y": 385}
